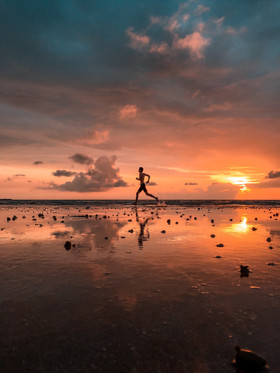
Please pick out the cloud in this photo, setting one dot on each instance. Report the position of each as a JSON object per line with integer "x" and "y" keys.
{"x": 137, "y": 41}
{"x": 128, "y": 112}
{"x": 99, "y": 177}
{"x": 152, "y": 183}
{"x": 221, "y": 191}
{"x": 64, "y": 173}
{"x": 202, "y": 9}
{"x": 191, "y": 183}
{"x": 19, "y": 175}
{"x": 37, "y": 163}
{"x": 81, "y": 159}
{"x": 194, "y": 42}
{"x": 273, "y": 175}
{"x": 233, "y": 31}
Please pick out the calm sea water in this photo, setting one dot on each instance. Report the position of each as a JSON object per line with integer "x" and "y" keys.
{"x": 146, "y": 289}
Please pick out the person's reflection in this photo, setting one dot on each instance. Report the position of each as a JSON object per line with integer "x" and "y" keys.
{"x": 142, "y": 236}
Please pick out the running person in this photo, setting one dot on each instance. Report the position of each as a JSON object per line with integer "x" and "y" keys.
{"x": 141, "y": 178}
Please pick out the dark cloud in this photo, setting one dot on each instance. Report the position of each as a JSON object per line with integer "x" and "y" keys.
{"x": 82, "y": 159}
{"x": 191, "y": 183}
{"x": 273, "y": 175}
{"x": 19, "y": 175}
{"x": 64, "y": 173}
{"x": 99, "y": 177}
{"x": 152, "y": 183}
{"x": 37, "y": 163}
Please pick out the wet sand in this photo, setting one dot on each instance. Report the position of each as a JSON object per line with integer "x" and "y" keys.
{"x": 140, "y": 290}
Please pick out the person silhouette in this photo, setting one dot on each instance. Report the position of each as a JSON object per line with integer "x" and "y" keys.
{"x": 143, "y": 188}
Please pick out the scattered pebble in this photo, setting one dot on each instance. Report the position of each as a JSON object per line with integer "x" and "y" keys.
{"x": 67, "y": 245}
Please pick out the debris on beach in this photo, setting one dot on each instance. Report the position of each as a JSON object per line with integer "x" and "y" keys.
{"x": 248, "y": 360}
{"x": 244, "y": 271}
{"x": 67, "y": 245}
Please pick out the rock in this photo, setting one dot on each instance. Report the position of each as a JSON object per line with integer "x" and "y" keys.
{"x": 130, "y": 231}
{"x": 270, "y": 247}
{"x": 168, "y": 221}
{"x": 254, "y": 228}
{"x": 105, "y": 238}
{"x": 268, "y": 239}
{"x": 67, "y": 245}
{"x": 212, "y": 221}
{"x": 244, "y": 271}
{"x": 271, "y": 264}
{"x": 213, "y": 236}
{"x": 54, "y": 218}
{"x": 218, "y": 256}
{"x": 14, "y": 217}
{"x": 248, "y": 360}
{"x": 163, "y": 231}
{"x": 220, "y": 245}
{"x": 8, "y": 219}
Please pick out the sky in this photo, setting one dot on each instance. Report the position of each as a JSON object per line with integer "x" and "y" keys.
{"x": 92, "y": 90}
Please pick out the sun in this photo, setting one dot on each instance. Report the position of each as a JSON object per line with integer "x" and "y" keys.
{"x": 241, "y": 181}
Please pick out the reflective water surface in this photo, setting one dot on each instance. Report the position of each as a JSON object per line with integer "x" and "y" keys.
{"x": 141, "y": 289}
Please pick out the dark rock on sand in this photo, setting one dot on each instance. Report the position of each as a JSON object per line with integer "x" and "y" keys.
{"x": 268, "y": 239}
{"x": 14, "y": 217}
{"x": 8, "y": 219}
{"x": 248, "y": 360}
{"x": 213, "y": 236}
{"x": 244, "y": 271}
{"x": 130, "y": 231}
{"x": 54, "y": 218}
{"x": 220, "y": 245}
{"x": 67, "y": 245}
{"x": 163, "y": 231}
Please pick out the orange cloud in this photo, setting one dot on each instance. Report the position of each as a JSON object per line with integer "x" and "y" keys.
{"x": 128, "y": 112}
{"x": 194, "y": 42}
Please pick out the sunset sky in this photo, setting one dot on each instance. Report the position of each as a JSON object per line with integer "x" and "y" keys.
{"x": 91, "y": 90}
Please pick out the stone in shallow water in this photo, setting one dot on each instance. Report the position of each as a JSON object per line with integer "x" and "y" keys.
{"x": 67, "y": 245}
{"x": 248, "y": 360}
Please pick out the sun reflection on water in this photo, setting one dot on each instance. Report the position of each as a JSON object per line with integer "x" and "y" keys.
{"x": 241, "y": 227}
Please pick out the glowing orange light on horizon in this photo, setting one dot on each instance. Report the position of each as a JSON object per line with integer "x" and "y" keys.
{"x": 242, "y": 181}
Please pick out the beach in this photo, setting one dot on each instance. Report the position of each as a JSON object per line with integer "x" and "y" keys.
{"x": 118, "y": 288}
